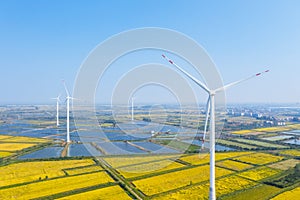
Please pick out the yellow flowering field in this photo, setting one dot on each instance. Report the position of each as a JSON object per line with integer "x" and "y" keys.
{"x": 260, "y": 191}
{"x": 230, "y": 184}
{"x": 165, "y": 182}
{"x": 294, "y": 126}
{"x": 81, "y": 170}
{"x": 236, "y": 144}
{"x": 122, "y": 161}
{"x": 191, "y": 193}
{"x": 289, "y": 195}
{"x": 4, "y": 154}
{"x": 24, "y": 139}
{"x": 54, "y": 186}
{"x": 274, "y": 129}
{"x": 230, "y": 164}
{"x": 197, "y": 159}
{"x": 106, "y": 125}
{"x": 32, "y": 171}
{"x": 241, "y": 132}
{"x": 5, "y": 136}
{"x": 15, "y": 146}
{"x": 108, "y": 193}
{"x": 39, "y": 122}
{"x": 148, "y": 168}
{"x": 259, "y": 158}
{"x": 285, "y": 165}
{"x": 291, "y": 152}
{"x": 223, "y": 186}
{"x": 259, "y": 173}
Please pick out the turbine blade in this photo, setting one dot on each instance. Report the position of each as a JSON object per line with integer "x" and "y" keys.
{"x": 240, "y": 81}
{"x": 199, "y": 83}
{"x": 206, "y": 121}
{"x": 66, "y": 89}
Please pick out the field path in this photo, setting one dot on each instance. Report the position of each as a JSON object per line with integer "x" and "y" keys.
{"x": 119, "y": 179}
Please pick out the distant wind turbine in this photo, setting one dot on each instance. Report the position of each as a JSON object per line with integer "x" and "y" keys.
{"x": 57, "y": 109}
{"x": 132, "y": 108}
{"x": 68, "y": 112}
{"x": 210, "y": 111}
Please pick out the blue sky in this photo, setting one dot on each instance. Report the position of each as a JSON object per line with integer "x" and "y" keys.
{"x": 43, "y": 42}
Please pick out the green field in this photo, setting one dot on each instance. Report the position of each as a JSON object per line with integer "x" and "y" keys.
{"x": 236, "y": 144}
{"x": 259, "y": 143}
{"x": 258, "y": 192}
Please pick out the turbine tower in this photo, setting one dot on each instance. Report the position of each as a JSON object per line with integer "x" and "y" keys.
{"x": 210, "y": 112}
{"x": 132, "y": 108}
{"x": 57, "y": 109}
{"x": 68, "y": 98}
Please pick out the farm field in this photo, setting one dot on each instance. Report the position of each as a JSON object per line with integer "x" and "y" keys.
{"x": 233, "y": 165}
{"x": 274, "y": 129}
{"x": 285, "y": 165}
{"x": 259, "y": 158}
{"x": 12, "y": 147}
{"x": 148, "y": 168}
{"x": 171, "y": 180}
{"x": 31, "y": 171}
{"x": 259, "y": 143}
{"x": 23, "y": 139}
{"x": 123, "y": 161}
{"x": 2, "y": 137}
{"x": 166, "y": 182}
{"x": 261, "y": 191}
{"x": 241, "y": 132}
{"x": 236, "y": 144}
{"x": 223, "y": 186}
{"x": 292, "y": 194}
{"x": 5, "y": 154}
{"x": 82, "y": 170}
{"x": 54, "y": 186}
{"x": 259, "y": 173}
{"x": 17, "y": 143}
{"x": 277, "y": 138}
{"x": 268, "y": 129}
{"x": 107, "y": 193}
{"x": 291, "y": 152}
{"x": 181, "y": 146}
{"x": 197, "y": 159}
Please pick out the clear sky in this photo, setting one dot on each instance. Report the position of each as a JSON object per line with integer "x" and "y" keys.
{"x": 42, "y": 42}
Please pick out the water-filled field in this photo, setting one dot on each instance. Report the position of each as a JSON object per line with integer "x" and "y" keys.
{"x": 206, "y": 145}
{"x": 49, "y": 152}
{"x": 83, "y": 150}
{"x": 294, "y": 141}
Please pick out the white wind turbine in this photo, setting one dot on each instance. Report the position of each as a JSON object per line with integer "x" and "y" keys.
{"x": 132, "y": 108}
{"x": 57, "y": 109}
{"x": 68, "y": 98}
{"x": 210, "y": 111}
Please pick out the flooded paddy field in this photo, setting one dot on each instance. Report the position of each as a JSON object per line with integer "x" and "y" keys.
{"x": 105, "y": 136}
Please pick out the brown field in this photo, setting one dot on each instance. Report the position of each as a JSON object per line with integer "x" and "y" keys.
{"x": 285, "y": 165}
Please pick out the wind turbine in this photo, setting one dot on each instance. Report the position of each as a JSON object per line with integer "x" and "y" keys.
{"x": 57, "y": 109}
{"x": 132, "y": 108}
{"x": 210, "y": 111}
{"x": 68, "y": 112}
